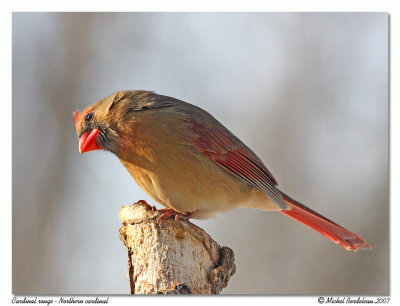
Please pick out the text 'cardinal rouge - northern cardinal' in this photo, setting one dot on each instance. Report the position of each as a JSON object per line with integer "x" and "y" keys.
{"x": 187, "y": 161}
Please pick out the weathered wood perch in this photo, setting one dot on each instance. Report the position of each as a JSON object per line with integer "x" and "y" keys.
{"x": 171, "y": 257}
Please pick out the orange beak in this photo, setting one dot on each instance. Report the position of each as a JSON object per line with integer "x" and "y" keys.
{"x": 88, "y": 141}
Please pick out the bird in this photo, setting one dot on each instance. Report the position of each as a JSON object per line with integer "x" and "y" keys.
{"x": 190, "y": 163}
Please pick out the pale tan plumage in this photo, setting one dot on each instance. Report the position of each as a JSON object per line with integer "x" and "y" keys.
{"x": 161, "y": 156}
{"x": 186, "y": 160}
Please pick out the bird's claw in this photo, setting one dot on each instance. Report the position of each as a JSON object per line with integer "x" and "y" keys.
{"x": 168, "y": 212}
{"x": 145, "y": 204}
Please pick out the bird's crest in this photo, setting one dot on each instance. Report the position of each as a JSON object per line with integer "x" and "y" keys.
{"x": 76, "y": 115}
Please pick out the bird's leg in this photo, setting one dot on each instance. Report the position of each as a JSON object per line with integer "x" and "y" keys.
{"x": 168, "y": 212}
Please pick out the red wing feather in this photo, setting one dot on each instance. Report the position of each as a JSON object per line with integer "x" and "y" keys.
{"x": 231, "y": 154}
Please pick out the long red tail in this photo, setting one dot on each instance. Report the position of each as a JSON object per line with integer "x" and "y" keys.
{"x": 324, "y": 226}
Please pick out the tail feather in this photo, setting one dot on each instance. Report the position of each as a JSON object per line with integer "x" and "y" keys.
{"x": 322, "y": 225}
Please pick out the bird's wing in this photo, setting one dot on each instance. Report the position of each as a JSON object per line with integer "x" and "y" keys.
{"x": 230, "y": 153}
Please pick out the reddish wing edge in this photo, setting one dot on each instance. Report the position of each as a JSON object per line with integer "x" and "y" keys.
{"x": 231, "y": 154}
{"x": 324, "y": 226}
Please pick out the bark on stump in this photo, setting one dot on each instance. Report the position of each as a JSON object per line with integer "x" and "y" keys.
{"x": 171, "y": 257}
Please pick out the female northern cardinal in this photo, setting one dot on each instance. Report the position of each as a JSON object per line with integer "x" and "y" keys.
{"x": 189, "y": 162}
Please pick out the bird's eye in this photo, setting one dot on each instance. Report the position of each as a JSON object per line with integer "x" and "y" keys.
{"x": 89, "y": 117}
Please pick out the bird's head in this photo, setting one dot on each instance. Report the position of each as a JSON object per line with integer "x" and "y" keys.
{"x": 96, "y": 126}
{"x": 122, "y": 120}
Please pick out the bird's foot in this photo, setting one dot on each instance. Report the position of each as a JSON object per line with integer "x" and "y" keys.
{"x": 145, "y": 204}
{"x": 169, "y": 212}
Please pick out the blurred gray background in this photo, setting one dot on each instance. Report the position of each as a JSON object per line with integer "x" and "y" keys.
{"x": 308, "y": 92}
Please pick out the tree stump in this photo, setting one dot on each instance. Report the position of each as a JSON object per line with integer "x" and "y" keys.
{"x": 171, "y": 257}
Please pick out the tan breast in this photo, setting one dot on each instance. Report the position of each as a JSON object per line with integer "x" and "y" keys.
{"x": 168, "y": 167}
